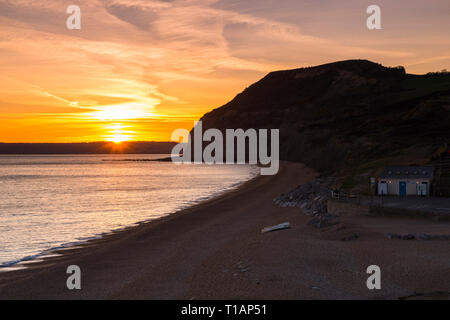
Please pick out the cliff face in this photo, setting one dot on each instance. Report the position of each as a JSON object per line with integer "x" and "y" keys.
{"x": 346, "y": 118}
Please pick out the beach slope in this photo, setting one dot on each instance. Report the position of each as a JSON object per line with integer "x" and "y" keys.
{"x": 216, "y": 250}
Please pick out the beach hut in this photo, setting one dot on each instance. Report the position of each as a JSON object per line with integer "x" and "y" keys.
{"x": 405, "y": 180}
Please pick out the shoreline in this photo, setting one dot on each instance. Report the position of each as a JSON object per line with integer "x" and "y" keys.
{"x": 10, "y": 266}
{"x": 215, "y": 250}
{"x": 57, "y": 256}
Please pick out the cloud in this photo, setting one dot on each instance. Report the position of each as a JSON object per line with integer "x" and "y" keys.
{"x": 185, "y": 57}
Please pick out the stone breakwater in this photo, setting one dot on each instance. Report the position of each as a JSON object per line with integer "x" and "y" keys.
{"x": 312, "y": 198}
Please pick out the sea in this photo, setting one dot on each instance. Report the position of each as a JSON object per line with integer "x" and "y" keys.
{"x": 50, "y": 202}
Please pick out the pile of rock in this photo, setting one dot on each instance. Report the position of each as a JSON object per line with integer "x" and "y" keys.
{"x": 311, "y": 197}
{"x": 420, "y": 236}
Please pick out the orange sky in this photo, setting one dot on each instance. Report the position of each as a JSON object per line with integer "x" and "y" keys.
{"x": 139, "y": 69}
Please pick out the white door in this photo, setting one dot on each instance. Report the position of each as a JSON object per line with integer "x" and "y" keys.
{"x": 423, "y": 186}
{"x": 382, "y": 188}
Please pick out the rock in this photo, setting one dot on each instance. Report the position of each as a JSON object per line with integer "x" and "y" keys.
{"x": 420, "y": 237}
{"x": 352, "y": 237}
{"x": 423, "y": 236}
{"x": 312, "y": 198}
{"x": 314, "y": 193}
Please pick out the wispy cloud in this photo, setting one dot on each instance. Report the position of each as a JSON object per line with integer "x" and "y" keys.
{"x": 184, "y": 57}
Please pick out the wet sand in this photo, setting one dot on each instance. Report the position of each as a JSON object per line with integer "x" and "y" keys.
{"x": 215, "y": 250}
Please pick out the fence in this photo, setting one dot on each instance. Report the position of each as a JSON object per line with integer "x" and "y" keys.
{"x": 343, "y": 196}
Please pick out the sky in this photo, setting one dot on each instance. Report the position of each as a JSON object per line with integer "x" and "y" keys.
{"x": 139, "y": 69}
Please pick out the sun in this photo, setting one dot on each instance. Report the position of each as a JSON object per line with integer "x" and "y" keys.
{"x": 118, "y": 138}
{"x": 118, "y": 133}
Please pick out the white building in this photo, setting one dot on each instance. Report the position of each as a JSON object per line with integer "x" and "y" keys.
{"x": 405, "y": 180}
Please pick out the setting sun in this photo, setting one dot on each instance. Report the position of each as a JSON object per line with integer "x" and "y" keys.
{"x": 118, "y": 133}
{"x": 164, "y": 70}
{"x": 118, "y": 139}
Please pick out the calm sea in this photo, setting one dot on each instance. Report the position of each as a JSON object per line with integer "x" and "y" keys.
{"x": 49, "y": 202}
